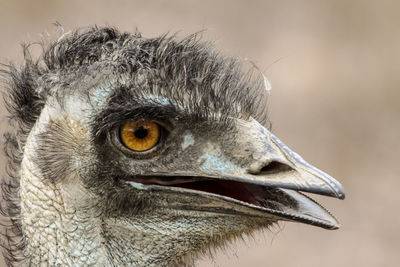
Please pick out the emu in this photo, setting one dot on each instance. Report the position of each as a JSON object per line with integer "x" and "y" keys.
{"x": 133, "y": 151}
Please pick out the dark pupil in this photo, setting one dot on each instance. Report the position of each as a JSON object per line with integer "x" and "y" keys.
{"x": 141, "y": 132}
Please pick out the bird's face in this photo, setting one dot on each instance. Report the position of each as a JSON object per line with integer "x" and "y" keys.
{"x": 152, "y": 158}
{"x": 178, "y": 152}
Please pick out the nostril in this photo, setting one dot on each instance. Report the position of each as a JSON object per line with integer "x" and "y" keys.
{"x": 275, "y": 167}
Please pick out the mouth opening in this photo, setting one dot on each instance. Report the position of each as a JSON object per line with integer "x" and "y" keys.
{"x": 263, "y": 196}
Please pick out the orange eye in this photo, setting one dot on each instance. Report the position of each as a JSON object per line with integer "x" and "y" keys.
{"x": 140, "y": 135}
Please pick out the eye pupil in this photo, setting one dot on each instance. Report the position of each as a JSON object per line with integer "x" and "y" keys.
{"x": 141, "y": 132}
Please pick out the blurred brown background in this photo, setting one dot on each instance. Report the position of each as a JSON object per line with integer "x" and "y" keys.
{"x": 334, "y": 69}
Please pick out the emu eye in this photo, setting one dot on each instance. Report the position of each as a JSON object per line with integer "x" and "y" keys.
{"x": 140, "y": 135}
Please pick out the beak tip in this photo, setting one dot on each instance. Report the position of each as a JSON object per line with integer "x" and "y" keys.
{"x": 339, "y": 190}
{"x": 335, "y": 227}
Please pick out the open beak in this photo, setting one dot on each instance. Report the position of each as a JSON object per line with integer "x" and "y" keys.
{"x": 267, "y": 183}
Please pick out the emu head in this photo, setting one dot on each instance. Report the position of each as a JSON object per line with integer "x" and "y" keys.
{"x": 137, "y": 151}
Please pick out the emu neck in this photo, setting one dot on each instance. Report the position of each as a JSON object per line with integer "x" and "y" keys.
{"x": 55, "y": 231}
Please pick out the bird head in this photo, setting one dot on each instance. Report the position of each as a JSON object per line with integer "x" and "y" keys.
{"x": 163, "y": 141}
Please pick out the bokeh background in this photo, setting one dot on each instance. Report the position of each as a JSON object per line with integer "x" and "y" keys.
{"x": 334, "y": 69}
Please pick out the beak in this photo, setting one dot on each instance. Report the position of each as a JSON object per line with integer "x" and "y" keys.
{"x": 257, "y": 174}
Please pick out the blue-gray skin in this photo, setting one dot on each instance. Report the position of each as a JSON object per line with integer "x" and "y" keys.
{"x": 77, "y": 195}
